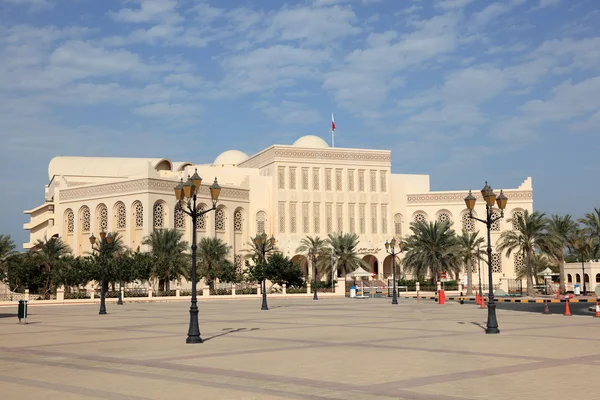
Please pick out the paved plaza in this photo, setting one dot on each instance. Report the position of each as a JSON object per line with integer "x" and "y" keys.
{"x": 299, "y": 349}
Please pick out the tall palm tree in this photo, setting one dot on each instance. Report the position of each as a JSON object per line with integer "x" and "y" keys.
{"x": 530, "y": 236}
{"x": 7, "y": 249}
{"x": 213, "y": 257}
{"x": 582, "y": 244}
{"x": 431, "y": 249}
{"x": 48, "y": 255}
{"x": 321, "y": 248}
{"x": 469, "y": 253}
{"x": 561, "y": 228}
{"x": 591, "y": 221}
{"x": 344, "y": 247}
{"x": 170, "y": 260}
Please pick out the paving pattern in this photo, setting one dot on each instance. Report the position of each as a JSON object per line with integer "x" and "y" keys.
{"x": 299, "y": 349}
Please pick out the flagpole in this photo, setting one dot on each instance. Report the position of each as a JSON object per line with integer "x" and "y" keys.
{"x": 333, "y": 138}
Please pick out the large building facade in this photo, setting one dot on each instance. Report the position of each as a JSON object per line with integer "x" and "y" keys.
{"x": 307, "y": 188}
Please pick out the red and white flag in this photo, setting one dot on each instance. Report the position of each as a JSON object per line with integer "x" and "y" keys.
{"x": 332, "y": 123}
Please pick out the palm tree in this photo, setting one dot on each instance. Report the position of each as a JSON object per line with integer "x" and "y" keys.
{"x": 7, "y": 249}
{"x": 323, "y": 253}
{"x": 170, "y": 260}
{"x": 48, "y": 255}
{"x": 213, "y": 256}
{"x": 469, "y": 252}
{"x": 344, "y": 247}
{"x": 530, "y": 236}
{"x": 431, "y": 249}
{"x": 582, "y": 244}
{"x": 561, "y": 229}
{"x": 591, "y": 221}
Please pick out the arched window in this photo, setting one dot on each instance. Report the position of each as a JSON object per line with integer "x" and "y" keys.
{"x": 70, "y": 221}
{"x": 201, "y": 221}
{"x": 238, "y": 220}
{"x": 519, "y": 263}
{"x": 398, "y": 224}
{"x": 178, "y": 217}
{"x": 496, "y": 262}
{"x": 468, "y": 224}
{"x": 516, "y": 216}
{"x": 261, "y": 219}
{"x": 570, "y": 278}
{"x": 120, "y": 216}
{"x": 420, "y": 217}
{"x": 220, "y": 220}
{"x": 578, "y": 278}
{"x": 158, "y": 215}
{"x": 597, "y": 278}
{"x": 84, "y": 219}
{"x": 139, "y": 214}
{"x": 102, "y": 218}
{"x": 444, "y": 216}
{"x": 586, "y": 278}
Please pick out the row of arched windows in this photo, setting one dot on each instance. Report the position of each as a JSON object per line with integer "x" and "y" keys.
{"x": 578, "y": 278}
{"x": 160, "y": 218}
{"x": 468, "y": 224}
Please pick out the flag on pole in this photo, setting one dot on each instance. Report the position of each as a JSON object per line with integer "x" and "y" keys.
{"x": 332, "y": 123}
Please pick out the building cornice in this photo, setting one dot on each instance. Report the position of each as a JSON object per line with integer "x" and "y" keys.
{"x": 143, "y": 185}
{"x": 329, "y": 155}
{"x": 444, "y": 197}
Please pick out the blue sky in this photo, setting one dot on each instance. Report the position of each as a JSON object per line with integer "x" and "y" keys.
{"x": 463, "y": 90}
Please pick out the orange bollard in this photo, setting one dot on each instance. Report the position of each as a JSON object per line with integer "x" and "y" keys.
{"x": 567, "y": 309}
{"x": 597, "y": 310}
{"x": 546, "y": 309}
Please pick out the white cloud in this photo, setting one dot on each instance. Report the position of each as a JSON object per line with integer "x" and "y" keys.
{"x": 149, "y": 11}
{"x": 493, "y": 11}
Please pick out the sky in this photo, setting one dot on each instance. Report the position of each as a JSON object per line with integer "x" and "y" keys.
{"x": 462, "y": 90}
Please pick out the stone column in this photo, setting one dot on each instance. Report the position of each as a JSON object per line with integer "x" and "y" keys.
{"x": 418, "y": 286}
{"x": 284, "y": 289}
{"x": 60, "y": 294}
{"x": 177, "y": 291}
{"x": 233, "y": 289}
{"x": 206, "y": 291}
{"x": 92, "y": 293}
{"x": 150, "y": 292}
{"x": 308, "y": 287}
{"x": 27, "y": 294}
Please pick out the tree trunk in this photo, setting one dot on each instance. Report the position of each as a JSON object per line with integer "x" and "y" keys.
{"x": 530, "y": 289}
{"x": 469, "y": 278}
{"x": 562, "y": 287}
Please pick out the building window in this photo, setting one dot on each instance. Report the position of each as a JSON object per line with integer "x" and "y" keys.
{"x": 496, "y": 262}
{"x": 398, "y": 225}
{"x": 577, "y": 278}
{"x": 352, "y": 217}
{"x": 139, "y": 215}
{"x": 517, "y": 216}
{"x": 373, "y": 218}
{"x": 383, "y": 178}
{"x": 361, "y": 180}
{"x": 383, "y": 218}
{"x": 158, "y": 215}
{"x": 179, "y": 217}
{"x": 468, "y": 224}
{"x": 220, "y": 220}
{"x": 261, "y": 219}
{"x": 496, "y": 224}
{"x": 315, "y": 178}
{"x": 293, "y": 178}
{"x": 373, "y": 181}
{"x": 444, "y": 216}
{"x": 339, "y": 216}
{"x": 201, "y": 220}
{"x": 328, "y": 218}
{"x": 328, "y": 178}
{"x": 281, "y": 211}
{"x": 304, "y": 178}
{"x": 317, "y": 217}
{"x": 362, "y": 218}
{"x": 597, "y": 278}
{"x": 85, "y": 219}
{"x": 281, "y": 177}
{"x": 305, "y": 218}
{"x": 238, "y": 221}
{"x": 338, "y": 180}
{"x": 570, "y": 278}
{"x": 519, "y": 263}
{"x": 70, "y": 221}
{"x": 102, "y": 218}
{"x": 121, "y": 216}
{"x": 293, "y": 217}
{"x": 420, "y": 217}
{"x": 237, "y": 260}
{"x": 351, "y": 180}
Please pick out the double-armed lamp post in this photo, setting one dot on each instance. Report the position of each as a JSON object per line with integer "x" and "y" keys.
{"x": 490, "y": 198}
{"x": 186, "y": 195}
{"x": 264, "y": 246}
{"x": 313, "y": 252}
{"x": 105, "y": 241}
{"x": 390, "y": 248}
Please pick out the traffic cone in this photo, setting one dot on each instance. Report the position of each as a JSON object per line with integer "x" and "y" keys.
{"x": 482, "y": 302}
{"x": 597, "y": 310}
{"x": 546, "y": 309}
{"x": 476, "y": 297}
{"x": 558, "y": 294}
{"x": 567, "y": 309}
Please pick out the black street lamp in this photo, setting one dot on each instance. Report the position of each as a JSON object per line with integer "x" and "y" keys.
{"x": 313, "y": 253}
{"x": 105, "y": 240}
{"x": 490, "y": 198}
{"x": 120, "y": 299}
{"x": 390, "y": 248}
{"x": 264, "y": 246}
{"x": 185, "y": 193}
{"x": 479, "y": 270}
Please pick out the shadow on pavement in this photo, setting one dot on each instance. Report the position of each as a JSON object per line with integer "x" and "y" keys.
{"x": 230, "y": 330}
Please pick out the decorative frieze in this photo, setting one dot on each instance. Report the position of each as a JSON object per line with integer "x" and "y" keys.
{"x": 333, "y": 155}
{"x": 459, "y": 197}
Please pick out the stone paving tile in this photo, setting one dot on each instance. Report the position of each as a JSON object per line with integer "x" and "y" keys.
{"x": 330, "y": 349}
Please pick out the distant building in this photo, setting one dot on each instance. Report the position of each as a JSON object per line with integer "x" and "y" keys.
{"x": 292, "y": 191}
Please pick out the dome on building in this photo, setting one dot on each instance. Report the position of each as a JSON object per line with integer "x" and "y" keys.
{"x": 231, "y": 157}
{"x": 311, "y": 141}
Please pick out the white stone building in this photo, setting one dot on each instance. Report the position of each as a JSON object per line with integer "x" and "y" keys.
{"x": 292, "y": 191}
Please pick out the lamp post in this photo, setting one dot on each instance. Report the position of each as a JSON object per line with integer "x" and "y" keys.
{"x": 313, "y": 253}
{"x": 490, "y": 197}
{"x": 390, "y": 248}
{"x": 105, "y": 240}
{"x": 264, "y": 246}
{"x": 120, "y": 299}
{"x": 186, "y": 194}
{"x": 479, "y": 270}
